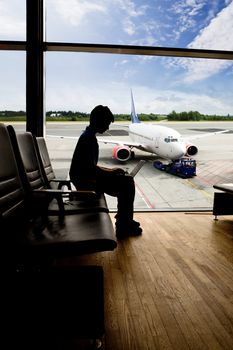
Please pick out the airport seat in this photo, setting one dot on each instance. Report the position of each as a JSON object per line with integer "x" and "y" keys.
{"x": 57, "y": 301}
{"x": 46, "y": 166}
{"x": 28, "y": 235}
{"x": 49, "y": 178}
{"x": 36, "y": 183}
{"x": 223, "y": 201}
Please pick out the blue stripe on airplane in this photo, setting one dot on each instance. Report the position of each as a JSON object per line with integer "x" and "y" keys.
{"x": 134, "y": 117}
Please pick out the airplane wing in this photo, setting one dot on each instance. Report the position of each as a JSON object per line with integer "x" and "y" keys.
{"x": 130, "y": 144}
{"x": 196, "y": 137}
{"x": 137, "y": 144}
{"x": 113, "y": 142}
{"x": 63, "y": 137}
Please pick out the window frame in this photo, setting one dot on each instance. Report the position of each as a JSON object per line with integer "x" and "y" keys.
{"x": 36, "y": 47}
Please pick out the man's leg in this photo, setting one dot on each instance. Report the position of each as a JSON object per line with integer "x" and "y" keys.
{"x": 123, "y": 188}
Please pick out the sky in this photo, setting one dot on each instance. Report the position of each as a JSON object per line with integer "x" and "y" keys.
{"x": 79, "y": 81}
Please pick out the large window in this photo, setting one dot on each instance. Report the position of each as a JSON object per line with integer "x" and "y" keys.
{"x": 76, "y": 81}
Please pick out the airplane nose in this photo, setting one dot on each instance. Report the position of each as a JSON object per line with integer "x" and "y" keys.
{"x": 178, "y": 152}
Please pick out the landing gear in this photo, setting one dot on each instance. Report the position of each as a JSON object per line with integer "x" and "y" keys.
{"x": 132, "y": 155}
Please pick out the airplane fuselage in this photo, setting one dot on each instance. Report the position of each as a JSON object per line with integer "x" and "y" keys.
{"x": 165, "y": 142}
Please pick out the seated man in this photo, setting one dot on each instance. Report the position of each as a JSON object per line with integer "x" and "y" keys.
{"x": 86, "y": 174}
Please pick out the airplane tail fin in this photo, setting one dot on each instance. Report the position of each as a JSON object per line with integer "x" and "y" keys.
{"x": 134, "y": 117}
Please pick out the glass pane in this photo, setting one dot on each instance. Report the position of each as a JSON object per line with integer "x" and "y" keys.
{"x": 13, "y": 87}
{"x": 162, "y": 87}
{"x": 200, "y": 24}
{"x": 13, "y": 20}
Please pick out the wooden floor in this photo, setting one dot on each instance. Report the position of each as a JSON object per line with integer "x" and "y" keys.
{"x": 171, "y": 288}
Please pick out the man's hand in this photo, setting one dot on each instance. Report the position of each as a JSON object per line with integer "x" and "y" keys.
{"x": 118, "y": 171}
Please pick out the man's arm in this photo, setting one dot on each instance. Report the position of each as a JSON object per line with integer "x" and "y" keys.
{"x": 116, "y": 171}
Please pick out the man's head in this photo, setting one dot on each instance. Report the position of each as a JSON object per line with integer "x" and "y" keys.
{"x": 100, "y": 118}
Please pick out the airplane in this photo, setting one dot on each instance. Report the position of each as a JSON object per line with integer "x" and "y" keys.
{"x": 164, "y": 142}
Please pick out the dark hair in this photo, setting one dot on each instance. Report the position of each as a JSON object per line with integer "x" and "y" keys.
{"x": 100, "y": 113}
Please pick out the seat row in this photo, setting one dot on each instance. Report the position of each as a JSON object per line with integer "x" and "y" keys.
{"x": 44, "y": 303}
{"x": 40, "y": 220}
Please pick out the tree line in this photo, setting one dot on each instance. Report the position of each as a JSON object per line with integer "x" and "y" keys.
{"x": 196, "y": 116}
{"x": 81, "y": 116}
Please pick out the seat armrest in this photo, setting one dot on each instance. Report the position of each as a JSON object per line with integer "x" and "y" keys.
{"x": 227, "y": 187}
{"x": 59, "y": 195}
{"x": 62, "y": 182}
{"x": 78, "y": 195}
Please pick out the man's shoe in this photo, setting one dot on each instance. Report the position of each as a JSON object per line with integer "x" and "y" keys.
{"x": 131, "y": 229}
{"x": 135, "y": 223}
{"x": 132, "y": 223}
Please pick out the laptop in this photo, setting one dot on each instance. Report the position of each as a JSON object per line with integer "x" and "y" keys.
{"x": 137, "y": 167}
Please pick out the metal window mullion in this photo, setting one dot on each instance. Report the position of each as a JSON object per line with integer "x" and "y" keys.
{"x": 35, "y": 116}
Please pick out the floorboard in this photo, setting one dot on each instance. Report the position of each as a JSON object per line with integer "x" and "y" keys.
{"x": 171, "y": 288}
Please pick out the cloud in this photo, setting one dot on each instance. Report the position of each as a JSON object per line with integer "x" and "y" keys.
{"x": 73, "y": 97}
{"x": 185, "y": 13}
{"x": 218, "y": 35}
{"x": 129, "y": 26}
{"x": 188, "y": 7}
{"x": 76, "y": 11}
{"x": 197, "y": 69}
{"x": 165, "y": 101}
{"x": 129, "y": 12}
{"x": 129, "y": 7}
{"x": 12, "y": 23}
{"x": 147, "y": 100}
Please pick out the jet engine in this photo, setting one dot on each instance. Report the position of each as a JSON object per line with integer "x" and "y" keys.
{"x": 121, "y": 153}
{"x": 191, "y": 150}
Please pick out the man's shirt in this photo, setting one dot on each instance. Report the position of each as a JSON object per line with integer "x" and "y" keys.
{"x": 85, "y": 158}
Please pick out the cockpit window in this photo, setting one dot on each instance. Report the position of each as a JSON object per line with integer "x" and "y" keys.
{"x": 170, "y": 139}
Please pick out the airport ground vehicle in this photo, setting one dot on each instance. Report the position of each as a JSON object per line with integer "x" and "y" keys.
{"x": 184, "y": 167}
